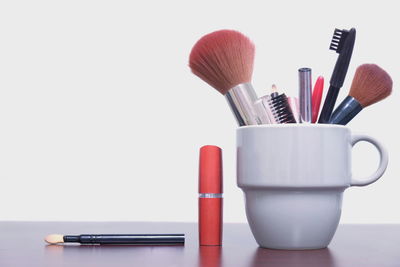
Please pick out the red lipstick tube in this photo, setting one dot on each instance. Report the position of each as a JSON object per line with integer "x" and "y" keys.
{"x": 210, "y": 196}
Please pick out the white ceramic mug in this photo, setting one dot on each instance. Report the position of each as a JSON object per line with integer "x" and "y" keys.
{"x": 293, "y": 177}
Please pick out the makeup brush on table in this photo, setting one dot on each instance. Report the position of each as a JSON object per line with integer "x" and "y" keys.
{"x": 119, "y": 239}
{"x": 224, "y": 59}
{"x": 370, "y": 84}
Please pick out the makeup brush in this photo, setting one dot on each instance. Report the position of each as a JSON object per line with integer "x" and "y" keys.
{"x": 111, "y": 239}
{"x": 274, "y": 108}
{"x": 279, "y": 107}
{"x": 343, "y": 43}
{"x": 224, "y": 59}
{"x": 370, "y": 84}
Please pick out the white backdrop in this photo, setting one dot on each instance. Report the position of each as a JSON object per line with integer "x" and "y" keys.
{"x": 101, "y": 119}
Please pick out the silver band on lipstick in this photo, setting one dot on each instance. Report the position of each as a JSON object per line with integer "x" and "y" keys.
{"x": 210, "y": 195}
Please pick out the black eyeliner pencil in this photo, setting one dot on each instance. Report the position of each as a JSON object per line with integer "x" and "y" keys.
{"x": 119, "y": 239}
{"x": 343, "y": 43}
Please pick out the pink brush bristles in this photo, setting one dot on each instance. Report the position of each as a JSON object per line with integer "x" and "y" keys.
{"x": 223, "y": 59}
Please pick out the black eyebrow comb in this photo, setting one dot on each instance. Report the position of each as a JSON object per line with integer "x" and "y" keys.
{"x": 343, "y": 43}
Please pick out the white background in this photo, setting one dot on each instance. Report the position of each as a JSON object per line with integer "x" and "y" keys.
{"x": 101, "y": 119}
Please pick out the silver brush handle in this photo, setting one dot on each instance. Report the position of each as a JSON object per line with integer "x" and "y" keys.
{"x": 241, "y": 99}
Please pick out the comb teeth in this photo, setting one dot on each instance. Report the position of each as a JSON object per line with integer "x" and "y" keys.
{"x": 339, "y": 36}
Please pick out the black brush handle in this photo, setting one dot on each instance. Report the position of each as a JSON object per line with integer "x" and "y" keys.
{"x": 329, "y": 104}
{"x": 343, "y": 61}
{"x": 346, "y": 111}
{"x": 128, "y": 239}
{"x": 338, "y": 76}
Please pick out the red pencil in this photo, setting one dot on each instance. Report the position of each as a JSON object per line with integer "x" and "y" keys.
{"x": 316, "y": 98}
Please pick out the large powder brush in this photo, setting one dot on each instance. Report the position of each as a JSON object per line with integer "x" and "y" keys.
{"x": 370, "y": 84}
{"x": 224, "y": 59}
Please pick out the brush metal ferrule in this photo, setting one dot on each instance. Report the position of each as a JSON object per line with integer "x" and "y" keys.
{"x": 211, "y": 195}
{"x": 305, "y": 94}
{"x": 346, "y": 111}
{"x": 241, "y": 99}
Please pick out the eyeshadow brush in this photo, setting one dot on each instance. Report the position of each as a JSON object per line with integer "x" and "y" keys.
{"x": 370, "y": 85}
{"x": 118, "y": 239}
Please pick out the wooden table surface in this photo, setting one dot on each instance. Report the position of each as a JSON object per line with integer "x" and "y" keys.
{"x": 21, "y": 244}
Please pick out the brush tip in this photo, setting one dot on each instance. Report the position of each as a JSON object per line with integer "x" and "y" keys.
{"x": 223, "y": 59}
{"x": 370, "y": 84}
{"x": 54, "y": 239}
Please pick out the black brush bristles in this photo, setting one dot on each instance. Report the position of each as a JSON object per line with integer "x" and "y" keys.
{"x": 281, "y": 109}
{"x": 338, "y": 39}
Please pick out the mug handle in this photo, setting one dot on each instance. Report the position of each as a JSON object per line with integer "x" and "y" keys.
{"x": 382, "y": 164}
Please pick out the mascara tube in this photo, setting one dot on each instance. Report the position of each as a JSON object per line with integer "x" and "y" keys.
{"x": 210, "y": 196}
{"x": 305, "y": 95}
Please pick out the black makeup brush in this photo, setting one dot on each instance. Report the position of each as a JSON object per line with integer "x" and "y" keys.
{"x": 370, "y": 85}
{"x": 118, "y": 239}
{"x": 342, "y": 43}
